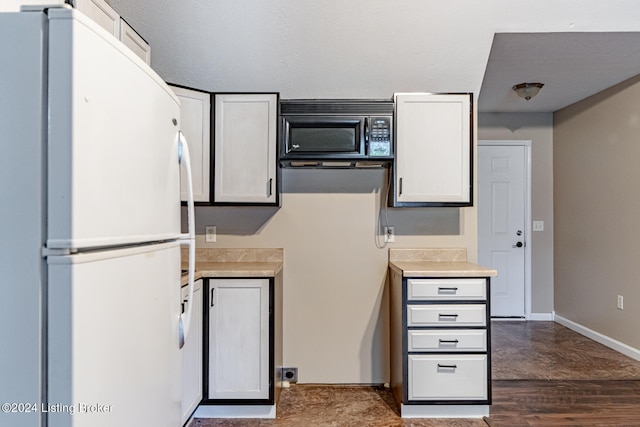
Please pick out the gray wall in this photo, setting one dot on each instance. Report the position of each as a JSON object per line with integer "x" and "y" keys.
{"x": 537, "y": 128}
{"x": 597, "y": 238}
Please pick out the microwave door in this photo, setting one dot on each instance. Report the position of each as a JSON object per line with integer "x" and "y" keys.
{"x": 312, "y": 137}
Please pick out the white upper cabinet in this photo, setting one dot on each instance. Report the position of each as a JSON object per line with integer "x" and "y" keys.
{"x": 195, "y": 118}
{"x": 433, "y": 150}
{"x": 102, "y": 13}
{"x": 135, "y": 42}
{"x": 245, "y": 149}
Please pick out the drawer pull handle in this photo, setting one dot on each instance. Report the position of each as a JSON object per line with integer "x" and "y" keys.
{"x": 449, "y": 317}
{"x": 441, "y": 366}
{"x": 447, "y": 290}
{"x": 452, "y": 342}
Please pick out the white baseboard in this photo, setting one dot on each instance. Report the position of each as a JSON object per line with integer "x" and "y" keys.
{"x": 235, "y": 411}
{"x": 540, "y": 317}
{"x": 444, "y": 411}
{"x": 616, "y": 345}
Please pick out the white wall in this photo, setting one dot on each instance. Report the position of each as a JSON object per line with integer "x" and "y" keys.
{"x": 538, "y": 128}
{"x": 335, "y": 307}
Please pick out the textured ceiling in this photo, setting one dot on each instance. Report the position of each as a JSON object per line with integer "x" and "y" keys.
{"x": 572, "y": 66}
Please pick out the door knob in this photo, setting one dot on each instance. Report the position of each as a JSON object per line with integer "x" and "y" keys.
{"x": 518, "y": 245}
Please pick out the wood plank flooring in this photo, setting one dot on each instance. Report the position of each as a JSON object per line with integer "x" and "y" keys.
{"x": 547, "y": 375}
{"x": 543, "y": 375}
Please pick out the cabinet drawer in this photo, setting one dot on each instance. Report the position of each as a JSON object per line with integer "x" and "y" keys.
{"x": 440, "y": 377}
{"x": 451, "y": 340}
{"x": 447, "y": 315}
{"x": 446, "y": 289}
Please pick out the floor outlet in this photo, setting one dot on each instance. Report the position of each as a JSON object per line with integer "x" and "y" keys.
{"x": 389, "y": 234}
{"x": 620, "y": 302}
{"x": 210, "y": 234}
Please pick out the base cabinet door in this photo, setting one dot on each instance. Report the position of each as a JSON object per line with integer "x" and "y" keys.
{"x": 238, "y": 339}
{"x": 192, "y": 353}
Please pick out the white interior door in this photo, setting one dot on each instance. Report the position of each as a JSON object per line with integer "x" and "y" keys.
{"x": 502, "y": 235}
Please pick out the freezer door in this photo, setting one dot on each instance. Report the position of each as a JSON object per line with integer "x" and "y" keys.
{"x": 113, "y": 338}
{"x": 113, "y": 172}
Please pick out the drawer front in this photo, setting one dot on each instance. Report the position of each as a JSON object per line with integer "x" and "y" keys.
{"x": 446, "y": 315}
{"x": 446, "y": 289}
{"x": 440, "y": 377}
{"x": 447, "y": 340}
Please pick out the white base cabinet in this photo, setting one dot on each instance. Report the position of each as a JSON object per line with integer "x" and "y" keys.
{"x": 440, "y": 346}
{"x": 192, "y": 352}
{"x": 239, "y": 339}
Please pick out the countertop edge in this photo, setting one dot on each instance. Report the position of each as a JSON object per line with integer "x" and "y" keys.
{"x": 441, "y": 269}
{"x": 235, "y": 270}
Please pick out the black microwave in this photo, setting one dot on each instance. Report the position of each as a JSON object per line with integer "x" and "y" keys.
{"x": 336, "y": 133}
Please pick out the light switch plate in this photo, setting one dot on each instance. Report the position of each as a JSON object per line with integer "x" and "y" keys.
{"x": 538, "y": 225}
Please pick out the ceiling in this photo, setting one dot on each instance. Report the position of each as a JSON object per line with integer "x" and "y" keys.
{"x": 572, "y": 66}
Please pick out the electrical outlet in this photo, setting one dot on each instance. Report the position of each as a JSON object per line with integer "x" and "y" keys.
{"x": 210, "y": 233}
{"x": 389, "y": 234}
{"x": 620, "y": 302}
{"x": 290, "y": 375}
{"x": 538, "y": 225}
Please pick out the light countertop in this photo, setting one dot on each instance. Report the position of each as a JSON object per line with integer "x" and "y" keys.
{"x": 441, "y": 262}
{"x": 236, "y": 263}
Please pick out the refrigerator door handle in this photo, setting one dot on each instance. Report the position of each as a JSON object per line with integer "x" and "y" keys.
{"x": 189, "y": 239}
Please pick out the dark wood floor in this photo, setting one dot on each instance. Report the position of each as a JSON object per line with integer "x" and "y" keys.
{"x": 544, "y": 375}
{"x": 547, "y": 375}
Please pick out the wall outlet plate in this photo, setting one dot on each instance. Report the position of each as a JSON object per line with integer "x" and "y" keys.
{"x": 210, "y": 234}
{"x": 290, "y": 375}
{"x": 389, "y": 234}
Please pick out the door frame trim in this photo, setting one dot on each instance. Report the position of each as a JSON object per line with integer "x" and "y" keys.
{"x": 526, "y": 143}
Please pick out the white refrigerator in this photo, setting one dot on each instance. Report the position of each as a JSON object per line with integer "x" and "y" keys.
{"x": 90, "y": 300}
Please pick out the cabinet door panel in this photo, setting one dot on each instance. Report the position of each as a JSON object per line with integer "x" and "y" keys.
{"x": 447, "y": 377}
{"x": 239, "y": 339}
{"x": 135, "y": 42}
{"x": 195, "y": 109}
{"x": 192, "y": 354}
{"x": 245, "y": 148}
{"x": 433, "y": 148}
{"x": 102, "y": 13}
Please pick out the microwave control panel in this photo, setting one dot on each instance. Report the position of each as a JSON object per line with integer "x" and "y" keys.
{"x": 380, "y": 137}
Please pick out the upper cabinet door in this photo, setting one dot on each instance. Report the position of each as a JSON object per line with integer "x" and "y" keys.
{"x": 433, "y": 150}
{"x": 195, "y": 117}
{"x": 245, "y": 149}
{"x": 102, "y": 13}
{"x": 135, "y": 42}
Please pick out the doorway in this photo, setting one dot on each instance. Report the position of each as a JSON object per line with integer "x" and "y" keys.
{"x": 504, "y": 199}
